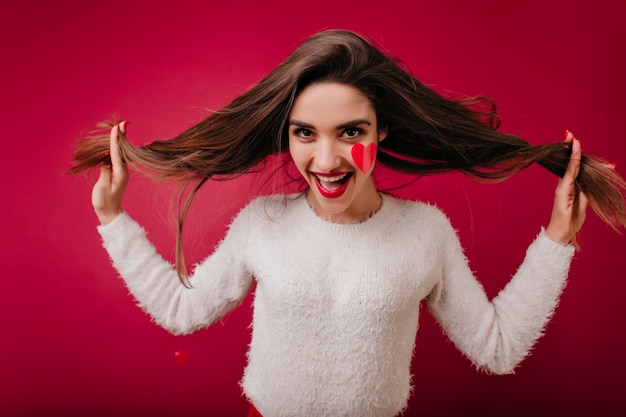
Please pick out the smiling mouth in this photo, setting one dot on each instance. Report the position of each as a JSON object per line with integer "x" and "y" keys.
{"x": 332, "y": 185}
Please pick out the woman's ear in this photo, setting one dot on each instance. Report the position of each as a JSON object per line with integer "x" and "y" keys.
{"x": 382, "y": 134}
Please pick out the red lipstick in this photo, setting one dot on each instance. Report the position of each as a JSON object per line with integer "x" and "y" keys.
{"x": 342, "y": 179}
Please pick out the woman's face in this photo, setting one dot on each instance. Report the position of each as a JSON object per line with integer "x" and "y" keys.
{"x": 333, "y": 139}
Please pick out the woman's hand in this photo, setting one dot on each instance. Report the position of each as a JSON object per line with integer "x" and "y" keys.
{"x": 564, "y": 223}
{"x": 106, "y": 196}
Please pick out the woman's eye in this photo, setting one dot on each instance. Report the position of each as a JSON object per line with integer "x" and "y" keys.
{"x": 352, "y": 132}
{"x": 303, "y": 133}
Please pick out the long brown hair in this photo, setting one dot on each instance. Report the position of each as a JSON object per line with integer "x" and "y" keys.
{"x": 426, "y": 132}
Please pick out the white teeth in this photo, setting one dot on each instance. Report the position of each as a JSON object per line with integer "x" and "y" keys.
{"x": 332, "y": 179}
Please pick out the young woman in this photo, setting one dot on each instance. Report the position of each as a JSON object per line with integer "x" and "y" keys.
{"x": 340, "y": 268}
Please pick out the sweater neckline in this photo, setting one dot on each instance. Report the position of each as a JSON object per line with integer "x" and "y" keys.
{"x": 375, "y": 221}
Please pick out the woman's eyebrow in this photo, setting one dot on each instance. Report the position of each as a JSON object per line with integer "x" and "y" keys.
{"x": 351, "y": 123}
{"x": 298, "y": 123}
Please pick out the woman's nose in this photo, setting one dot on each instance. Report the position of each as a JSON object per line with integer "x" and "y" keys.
{"x": 327, "y": 155}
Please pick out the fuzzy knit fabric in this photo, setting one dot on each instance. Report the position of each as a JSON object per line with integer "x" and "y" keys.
{"x": 336, "y": 305}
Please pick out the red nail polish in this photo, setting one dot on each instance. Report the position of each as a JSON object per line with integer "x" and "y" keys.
{"x": 613, "y": 165}
{"x": 566, "y": 133}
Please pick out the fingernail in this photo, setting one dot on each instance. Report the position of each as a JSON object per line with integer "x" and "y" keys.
{"x": 612, "y": 165}
{"x": 566, "y": 134}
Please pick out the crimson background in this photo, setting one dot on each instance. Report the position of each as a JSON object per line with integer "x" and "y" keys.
{"x": 73, "y": 341}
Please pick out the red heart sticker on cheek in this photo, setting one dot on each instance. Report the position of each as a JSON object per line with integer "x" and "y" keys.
{"x": 364, "y": 155}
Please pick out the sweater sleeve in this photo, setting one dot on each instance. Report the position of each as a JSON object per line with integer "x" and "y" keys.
{"x": 496, "y": 336}
{"x": 218, "y": 284}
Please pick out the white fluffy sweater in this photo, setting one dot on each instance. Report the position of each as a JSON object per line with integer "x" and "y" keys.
{"x": 336, "y": 305}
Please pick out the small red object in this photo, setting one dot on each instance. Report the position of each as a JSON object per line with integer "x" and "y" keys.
{"x": 180, "y": 356}
{"x": 363, "y": 155}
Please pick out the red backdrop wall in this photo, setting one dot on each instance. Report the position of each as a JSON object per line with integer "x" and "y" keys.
{"x": 73, "y": 341}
